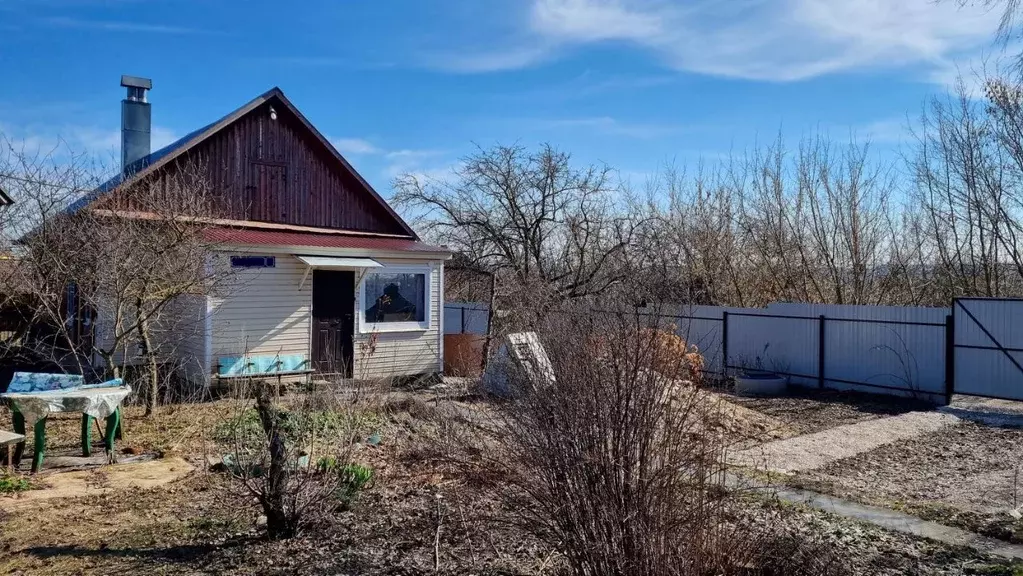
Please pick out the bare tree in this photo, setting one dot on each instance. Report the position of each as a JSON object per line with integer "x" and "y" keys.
{"x": 295, "y": 455}
{"x": 126, "y": 260}
{"x": 815, "y": 226}
{"x": 531, "y": 213}
{"x": 967, "y": 185}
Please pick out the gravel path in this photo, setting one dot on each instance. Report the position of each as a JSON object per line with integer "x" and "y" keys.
{"x": 814, "y": 451}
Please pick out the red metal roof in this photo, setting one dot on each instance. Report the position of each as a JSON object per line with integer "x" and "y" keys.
{"x": 314, "y": 240}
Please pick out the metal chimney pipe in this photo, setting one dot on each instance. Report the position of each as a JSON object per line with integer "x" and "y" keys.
{"x": 136, "y": 124}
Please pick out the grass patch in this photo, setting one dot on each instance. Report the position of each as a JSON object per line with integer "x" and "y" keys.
{"x": 14, "y": 484}
{"x": 246, "y": 426}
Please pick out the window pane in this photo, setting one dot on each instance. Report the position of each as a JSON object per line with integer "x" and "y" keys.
{"x": 393, "y": 297}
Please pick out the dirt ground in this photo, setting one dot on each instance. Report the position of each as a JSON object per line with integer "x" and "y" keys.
{"x": 203, "y": 525}
{"x": 810, "y": 410}
{"x": 968, "y": 475}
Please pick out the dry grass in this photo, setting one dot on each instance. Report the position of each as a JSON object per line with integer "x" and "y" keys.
{"x": 174, "y": 428}
{"x": 194, "y": 526}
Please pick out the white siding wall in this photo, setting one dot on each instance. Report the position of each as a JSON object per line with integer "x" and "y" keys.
{"x": 263, "y": 312}
{"x": 178, "y": 332}
{"x": 404, "y": 353}
{"x": 185, "y": 331}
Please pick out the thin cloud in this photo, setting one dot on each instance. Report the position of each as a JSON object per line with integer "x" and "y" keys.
{"x": 884, "y": 131}
{"x": 73, "y": 140}
{"x": 610, "y": 126}
{"x": 473, "y": 61}
{"x": 355, "y": 146}
{"x": 767, "y": 40}
{"x": 362, "y": 146}
{"x": 398, "y": 161}
{"x": 122, "y": 26}
{"x": 408, "y": 154}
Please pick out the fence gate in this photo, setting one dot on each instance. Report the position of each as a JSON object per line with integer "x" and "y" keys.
{"x": 988, "y": 347}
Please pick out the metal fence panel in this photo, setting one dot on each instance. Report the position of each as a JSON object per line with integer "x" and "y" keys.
{"x": 465, "y": 318}
{"x": 886, "y": 349}
{"x": 701, "y": 327}
{"x": 884, "y": 346}
{"x": 989, "y": 347}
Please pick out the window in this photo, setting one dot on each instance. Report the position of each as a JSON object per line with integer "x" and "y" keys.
{"x": 253, "y": 261}
{"x": 396, "y": 299}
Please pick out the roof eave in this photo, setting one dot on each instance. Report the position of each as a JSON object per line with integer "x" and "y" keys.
{"x": 440, "y": 254}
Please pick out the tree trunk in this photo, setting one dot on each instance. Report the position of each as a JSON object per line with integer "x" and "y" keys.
{"x": 490, "y": 323}
{"x": 151, "y": 363}
{"x": 279, "y": 524}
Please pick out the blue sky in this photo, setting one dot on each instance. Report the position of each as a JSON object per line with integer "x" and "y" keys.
{"x": 410, "y": 85}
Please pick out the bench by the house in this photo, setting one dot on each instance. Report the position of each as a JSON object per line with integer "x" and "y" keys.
{"x": 276, "y": 366}
{"x": 34, "y": 396}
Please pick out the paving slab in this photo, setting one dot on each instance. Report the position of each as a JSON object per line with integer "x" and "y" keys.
{"x": 813, "y": 451}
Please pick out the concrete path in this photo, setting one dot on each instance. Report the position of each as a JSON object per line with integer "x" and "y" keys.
{"x": 897, "y": 521}
{"x": 813, "y": 451}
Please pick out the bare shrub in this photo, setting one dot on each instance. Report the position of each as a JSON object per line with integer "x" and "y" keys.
{"x": 613, "y": 463}
{"x": 112, "y": 273}
{"x": 296, "y": 454}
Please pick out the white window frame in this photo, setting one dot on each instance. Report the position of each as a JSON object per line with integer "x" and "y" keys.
{"x": 372, "y": 327}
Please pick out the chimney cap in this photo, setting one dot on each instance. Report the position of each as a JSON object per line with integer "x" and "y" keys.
{"x": 136, "y": 82}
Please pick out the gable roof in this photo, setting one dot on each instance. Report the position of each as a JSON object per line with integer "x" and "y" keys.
{"x": 5, "y": 200}
{"x": 169, "y": 153}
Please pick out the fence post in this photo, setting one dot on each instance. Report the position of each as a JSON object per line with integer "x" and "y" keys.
{"x": 724, "y": 344}
{"x": 462, "y": 308}
{"x": 950, "y": 356}
{"x": 820, "y": 351}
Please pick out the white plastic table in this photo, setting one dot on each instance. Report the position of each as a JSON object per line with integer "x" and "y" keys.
{"x": 34, "y": 407}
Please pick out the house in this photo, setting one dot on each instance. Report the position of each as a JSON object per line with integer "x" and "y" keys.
{"x": 327, "y": 277}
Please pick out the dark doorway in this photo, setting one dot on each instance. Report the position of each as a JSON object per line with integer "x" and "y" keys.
{"x": 333, "y": 321}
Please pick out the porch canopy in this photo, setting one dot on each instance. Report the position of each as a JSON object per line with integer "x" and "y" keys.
{"x": 339, "y": 262}
{"x": 335, "y": 263}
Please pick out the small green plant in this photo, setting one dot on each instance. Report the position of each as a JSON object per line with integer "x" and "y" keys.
{"x": 14, "y": 484}
{"x": 351, "y": 479}
{"x": 298, "y": 427}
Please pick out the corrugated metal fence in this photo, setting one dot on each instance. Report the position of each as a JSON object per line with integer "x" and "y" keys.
{"x": 869, "y": 348}
{"x": 465, "y": 318}
{"x": 988, "y": 347}
{"x": 974, "y": 348}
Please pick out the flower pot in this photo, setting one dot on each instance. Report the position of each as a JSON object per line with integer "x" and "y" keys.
{"x": 760, "y": 384}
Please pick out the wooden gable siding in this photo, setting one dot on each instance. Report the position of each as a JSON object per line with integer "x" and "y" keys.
{"x": 274, "y": 171}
